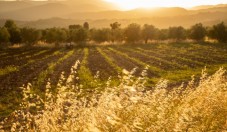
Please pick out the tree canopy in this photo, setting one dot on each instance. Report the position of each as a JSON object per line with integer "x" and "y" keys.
{"x": 219, "y": 32}
{"x": 149, "y": 32}
{"x": 197, "y": 32}
{"x": 177, "y": 33}
{"x": 4, "y": 35}
{"x": 81, "y": 34}
{"x": 132, "y": 32}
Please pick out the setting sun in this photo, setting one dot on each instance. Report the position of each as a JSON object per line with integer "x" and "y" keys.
{"x": 131, "y": 4}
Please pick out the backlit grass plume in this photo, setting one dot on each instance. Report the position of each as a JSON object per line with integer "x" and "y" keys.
{"x": 126, "y": 107}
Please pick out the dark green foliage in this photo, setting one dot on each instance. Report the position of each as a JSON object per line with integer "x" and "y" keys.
{"x": 219, "y": 32}
{"x": 56, "y": 35}
{"x": 132, "y": 33}
{"x": 4, "y": 35}
{"x": 14, "y": 31}
{"x": 177, "y": 33}
{"x": 115, "y": 25}
{"x": 15, "y": 35}
{"x": 149, "y": 32}
{"x": 162, "y": 34}
{"x": 72, "y": 27}
{"x": 86, "y": 26}
{"x": 30, "y": 35}
{"x": 51, "y": 35}
{"x": 100, "y": 35}
{"x": 117, "y": 35}
{"x": 10, "y": 24}
{"x": 197, "y": 32}
{"x": 116, "y": 32}
{"x": 78, "y": 35}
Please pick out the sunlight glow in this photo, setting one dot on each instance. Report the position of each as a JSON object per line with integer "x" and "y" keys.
{"x": 131, "y": 4}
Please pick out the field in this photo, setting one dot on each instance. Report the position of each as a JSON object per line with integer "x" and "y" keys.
{"x": 174, "y": 62}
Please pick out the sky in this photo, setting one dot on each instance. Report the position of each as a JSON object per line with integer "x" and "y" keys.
{"x": 130, "y": 4}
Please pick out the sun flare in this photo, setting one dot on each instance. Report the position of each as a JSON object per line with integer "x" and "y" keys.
{"x": 131, "y": 4}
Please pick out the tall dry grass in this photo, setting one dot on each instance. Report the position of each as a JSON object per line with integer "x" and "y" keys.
{"x": 126, "y": 107}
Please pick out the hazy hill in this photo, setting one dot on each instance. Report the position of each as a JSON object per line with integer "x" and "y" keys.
{"x": 208, "y": 6}
{"x": 88, "y": 9}
{"x": 36, "y": 12}
{"x": 33, "y": 10}
{"x": 89, "y": 5}
{"x": 6, "y": 6}
{"x": 161, "y": 22}
{"x": 43, "y": 14}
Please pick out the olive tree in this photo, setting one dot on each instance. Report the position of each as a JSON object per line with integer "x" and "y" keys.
{"x": 100, "y": 35}
{"x": 219, "y": 32}
{"x": 30, "y": 35}
{"x": 177, "y": 33}
{"x": 149, "y": 32}
{"x": 197, "y": 32}
{"x": 14, "y": 31}
{"x": 116, "y": 32}
{"x": 132, "y": 32}
{"x": 4, "y": 35}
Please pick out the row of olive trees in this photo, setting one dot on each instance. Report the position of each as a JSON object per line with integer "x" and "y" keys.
{"x": 10, "y": 33}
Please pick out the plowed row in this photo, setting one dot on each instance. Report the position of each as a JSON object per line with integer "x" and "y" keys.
{"x": 175, "y": 62}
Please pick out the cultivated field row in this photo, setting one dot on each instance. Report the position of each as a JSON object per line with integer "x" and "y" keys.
{"x": 39, "y": 66}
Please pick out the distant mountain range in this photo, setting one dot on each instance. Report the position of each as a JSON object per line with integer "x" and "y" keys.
{"x": 44, "y": 14}
{"x": 208, "y": 6}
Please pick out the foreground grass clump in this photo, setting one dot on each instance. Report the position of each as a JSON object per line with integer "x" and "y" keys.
{"x": 126, "y": 107}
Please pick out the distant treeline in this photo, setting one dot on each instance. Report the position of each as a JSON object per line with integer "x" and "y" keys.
{"x": 81, "y": 34}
